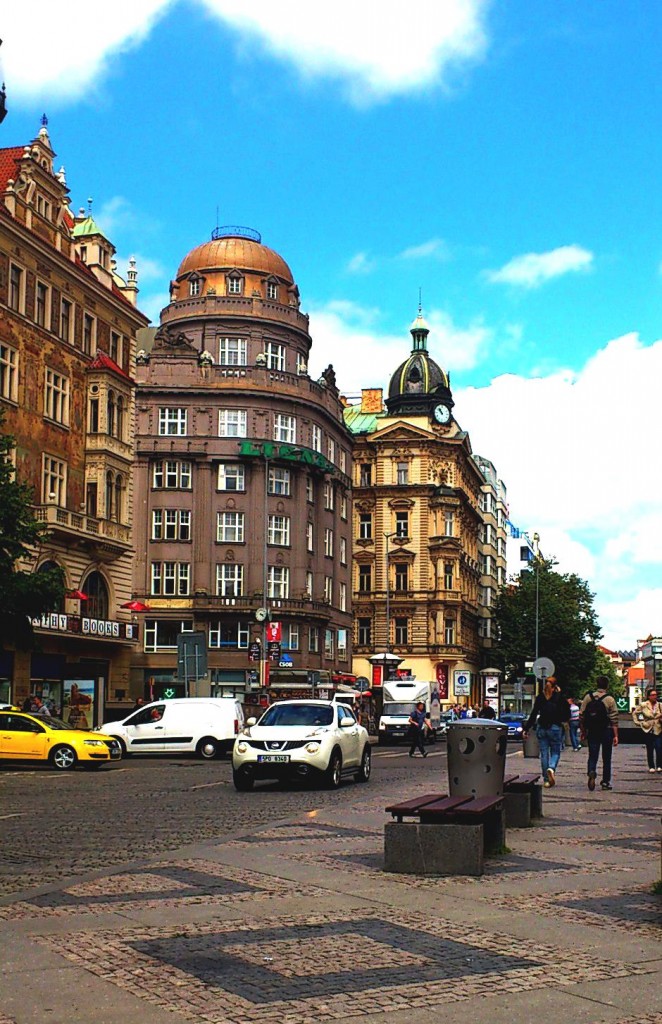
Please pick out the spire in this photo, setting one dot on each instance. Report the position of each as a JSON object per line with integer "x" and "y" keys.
{"x": 419, "y": 329}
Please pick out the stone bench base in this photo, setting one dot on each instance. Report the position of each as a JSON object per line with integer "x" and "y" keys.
{"x": 414, "y": 849}
{"x": 523, "y": 807}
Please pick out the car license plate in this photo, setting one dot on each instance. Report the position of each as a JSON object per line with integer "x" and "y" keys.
{"x": 272, "y": 758}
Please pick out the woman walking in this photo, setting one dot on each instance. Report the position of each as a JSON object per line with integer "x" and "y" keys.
{"x": 648, "y": 716}
{"x": 549, "y": 714}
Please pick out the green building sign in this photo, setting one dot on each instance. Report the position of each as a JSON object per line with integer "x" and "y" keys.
{"x": 286, "y": 453}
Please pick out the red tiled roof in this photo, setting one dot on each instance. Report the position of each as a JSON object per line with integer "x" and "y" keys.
{"x": 9, "y": 161}
{"x": 102, "y": 361}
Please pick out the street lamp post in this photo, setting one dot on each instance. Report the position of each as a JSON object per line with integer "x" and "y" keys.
{"x": 387, "y": 537}
{"x": 536, "y": 541}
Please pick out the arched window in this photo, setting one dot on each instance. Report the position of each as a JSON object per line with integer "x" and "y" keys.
{"x": 109, "y": 495}
{"x": 119, "y": 487}
{"x": 48, "y": 567}
{"x": 97, "y": 603}
{"x": 120, "y": 417}
{"x": 110, "y": 414}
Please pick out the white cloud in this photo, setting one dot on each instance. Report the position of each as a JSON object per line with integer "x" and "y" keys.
{"x": 435, "y": 248}
{"x": 374, "y": 50}
{"x": 535, "y": 268}
{"x": 578, "y": 453}
{"x": 148, "y": 269}
{"x": 72, "y": 48}
{"x": 361, "y": 263}
{"x": 455, "y": 347}
{"x": 113, "y": 215}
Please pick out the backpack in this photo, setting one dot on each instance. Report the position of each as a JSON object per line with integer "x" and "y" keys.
{"x": 596, "y": 716}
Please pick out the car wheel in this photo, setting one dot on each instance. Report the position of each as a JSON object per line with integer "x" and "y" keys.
{"x": 243, "y": 782}
{"x": 63, "y": 757}
{"x": 122, "y": 744}
{"x": 208, "y": 748}
{"x": 333, "y": 773}
{"x": 363, "y": 773}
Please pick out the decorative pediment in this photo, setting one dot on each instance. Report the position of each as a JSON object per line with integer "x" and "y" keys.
{"x": 401, "y": 431}
{"x": 401, "y": 504}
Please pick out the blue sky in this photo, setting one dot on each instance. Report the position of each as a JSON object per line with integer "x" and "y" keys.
{"x": 501, "y": 156}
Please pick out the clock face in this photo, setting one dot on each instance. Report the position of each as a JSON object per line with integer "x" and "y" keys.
{"x": 441, "y": 413}
{"x": 261, "y": 614}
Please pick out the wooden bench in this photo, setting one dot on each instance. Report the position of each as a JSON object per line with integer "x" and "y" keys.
{"x": 523, "y": 800}
{"x": 451, "y": 837}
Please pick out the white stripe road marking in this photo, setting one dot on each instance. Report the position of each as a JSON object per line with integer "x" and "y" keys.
{"x": 17, "y": 814}
{"x": 208, "y": 785}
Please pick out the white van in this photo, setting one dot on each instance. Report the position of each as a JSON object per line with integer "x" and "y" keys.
{"x": 206, "y": 726}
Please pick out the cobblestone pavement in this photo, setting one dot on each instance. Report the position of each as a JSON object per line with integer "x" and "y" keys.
{"x": 279, "y": 912}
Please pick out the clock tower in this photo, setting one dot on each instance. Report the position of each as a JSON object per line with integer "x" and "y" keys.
{"x": 419, "y": 387}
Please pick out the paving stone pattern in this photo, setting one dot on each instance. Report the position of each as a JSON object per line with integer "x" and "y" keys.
{"x": 638, "y": 910}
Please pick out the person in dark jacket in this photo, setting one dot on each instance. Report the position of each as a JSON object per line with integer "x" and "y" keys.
{"x": 549, "y": 714}
{"x": 417, "y": 727}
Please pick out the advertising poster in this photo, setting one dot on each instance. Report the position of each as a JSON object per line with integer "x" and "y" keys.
{"x": 441, "y": 673}
{"x": 78, "y": 703}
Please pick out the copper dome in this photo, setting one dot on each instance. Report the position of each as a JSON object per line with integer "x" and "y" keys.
{"x": 230, "y": 251}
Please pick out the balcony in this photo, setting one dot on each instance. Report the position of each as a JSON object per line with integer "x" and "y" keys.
{"x": 105, "y": 539}
{"x": 234, "y": 305}
{"x": 243, "y": 606}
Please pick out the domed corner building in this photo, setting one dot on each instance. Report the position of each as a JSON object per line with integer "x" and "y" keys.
{"x": 243, "y": 482}
{"x": 417, "y": 515}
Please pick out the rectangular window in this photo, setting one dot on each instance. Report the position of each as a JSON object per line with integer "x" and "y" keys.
{"x": 402, "y": 524}
{"x": 343, "y": 461}
{"x": 41, "y": 304}
{"x": 343, "y": 551}
{"x": 278, "y": 581}
{"x": 342, "y": 597}
{"x": 16, "y": 285}
{"x": 343, "y": 507}
{"x": 449, "y": 524}
{"x": 279, "y": 530}
{"x": 309, "y": 537}
{"x": 279, "y": 481}
{"x": 89, "y": 333}
{"x": 329, "y": 497}
{"x": 291, "y": 637}
{"x": 171, "y": 475}
{"x": 161, "y": 634}
{"x": 448, "y": 575}
{"x": 232, "y": 423}
{"x": 365, "y": 475}
{"x": 194, "y": 287}
{"x": 272, "y": 290}
{"x": 365, "y": 578}
{"x": 329, "y": 643}
{"x": 54, "y": 481}
{"x": 310, "y": 490}
{"x": 302, "y": 365}
{"x": 310, "y": 582}
{"x": 231, "y": 477}
{"x": 173, "y": 421}
{"x": 328, "y": 543}
{"x": 116, "y": 347}
{"x": 285, "y": 428}
{"x": 275, "y": 354}
{"x": 364, "y": 632}
{"x": 230, "y": 527}
{"x": 342, "y": 644}
{"x": 227, "y": 635}
{"x": 401, "y": 631}
{"x": 314, "y": 640}
{"x": 316, "y": 438}
{"x": 171, "y": 524}
{"x": 401, "y": 576}
{"x": 8, "y": 373}
{"x": 171, "y": 579}
{"x": 232, "y": 351}
{"x": 66, "y": 319}
{"x": 331, "y": 450}
{"x": 234, "y": 285}
{"x": 365, "y": 526}
{"x": 449, "y": 631}
{"x": 229, "y": 580}
{"x": 402, "y": 473}
{"x": 56, "y": 397}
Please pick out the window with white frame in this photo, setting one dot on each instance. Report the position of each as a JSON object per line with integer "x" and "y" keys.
{"x": 16, "y": 288}
{"x": 365, "y": 475}
{"x": 343, "y": 551}
{"x": 54, "y": 481}
{"x": 401, "y": 631}
{"x": 228, "y": 634}
{"x": 402, "y": 524}
{"x": 173, "y": 420}
{"x": 314, "y": 639}
{"x": 171, "y": 524}
{"x": 231, "y": 477}
{"x": 229, "y": 580}
{"x": 275, "y": 354}
{"x": 235, "y": 285}
{"x": 329, "y": 497}
{"x": 316, "y": 438}
{"x": 66, "y": 319}
{"x": 329, "y": 643}
{"x": 272, "y": 290}
{"x": 402, "y": 473}
{"x": 302, "y": 365}
{"x": 171, "y": 579}
{"x": 365, "y": 526}
{"x": 364, "y": 632}
{"x": 194, "y": 286}
{"x": 232, "y": 423}
{"x": 342, "y": 597}
{"x": 116, "y": 347}
{"x": 331, "y": 450}
{"x": 171, "y": 474}
{"x": 230, "y": 527}
{"x": 89, "y": 333}
{"x": 232, "y": 351}
{"x": 310, "y": 490}
{"x": 342, "y": 644}
{"x": 343, "y": 507}
{"x": 279, "y": 530}
{"x": 401, "y": 576}
{"x": 328, "y": 589}
{"x": 449, "y": 524}
{"x": 310, "y": 582}
{"x": 449, "y": 631}
{"x": 291, "y": 637}
{"x": 365, "y": 578}
{"x": 161, "y": 634}
{"x": 56, "y": 397}
{"x": 8, "y": 372}
{"x": 285, "y": 428}
{"x": 278, "y": 581}
{"x": 42, "y": 304}
{"x": 310, "y": 536}
{"x": 279, "y": 481}
{"x": 328, "y": 542}
{"x": 449, "y": 575}
{"x": 343, "y": 460}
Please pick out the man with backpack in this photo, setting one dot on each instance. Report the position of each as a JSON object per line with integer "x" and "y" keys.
{"x": 598, "y": 717}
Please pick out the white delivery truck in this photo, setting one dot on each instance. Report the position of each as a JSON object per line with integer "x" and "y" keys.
{"x": 400, "y": 697}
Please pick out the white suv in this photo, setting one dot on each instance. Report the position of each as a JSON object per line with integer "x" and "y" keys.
{"x": 302, "y": 739}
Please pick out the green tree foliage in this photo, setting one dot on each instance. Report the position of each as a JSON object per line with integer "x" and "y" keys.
{"x": 568, "y": 630}
{"x": 23, "y": 594}
{"x": 604, "y": 667}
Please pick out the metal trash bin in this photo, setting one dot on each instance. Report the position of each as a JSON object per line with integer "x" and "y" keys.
{"x": 476, "y": 757}
{"x": 530, "y": 745}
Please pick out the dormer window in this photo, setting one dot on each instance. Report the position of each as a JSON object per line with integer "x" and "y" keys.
{"x": 195, "y": 286}
{"x": 83, "y": 254}
{"x": 235, "y": 283}
{"x": 272, "y": 290}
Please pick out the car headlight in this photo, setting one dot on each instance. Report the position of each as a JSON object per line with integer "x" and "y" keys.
{"x": 242, "y": 748}
{"x": 382, "y": 726}
{"x": 93, "y": 743}
{"x": 312, "y": 748}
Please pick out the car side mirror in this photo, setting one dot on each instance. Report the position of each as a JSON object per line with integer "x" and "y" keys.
{"x": 251, "y": 721}
{"x": 346, "y": 723}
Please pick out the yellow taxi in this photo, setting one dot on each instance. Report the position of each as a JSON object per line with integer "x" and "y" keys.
{"x": 25, "y": 737}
